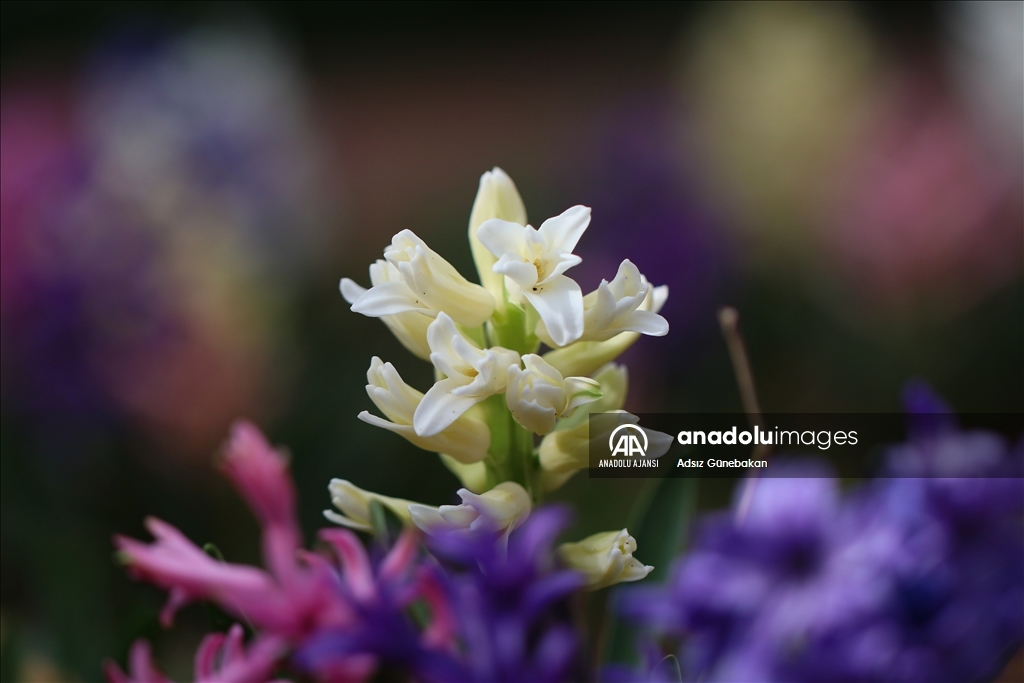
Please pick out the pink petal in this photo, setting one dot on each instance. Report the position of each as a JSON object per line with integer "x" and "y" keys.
{"x": 261, "y": 475}
{"x": 401, "y": 556}
{"x": 443, "y": 629}
{"x": 206, "y": 655}
{"x": 355, "y": 563}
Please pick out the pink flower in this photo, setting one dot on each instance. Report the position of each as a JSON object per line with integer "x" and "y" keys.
{"x": 221, "y": 658}
{"x": 294, "y": 597}
{"x": 299, "y": 597}
{"x": 141, "y": 668}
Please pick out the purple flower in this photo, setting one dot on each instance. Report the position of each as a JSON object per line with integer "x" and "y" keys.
{"x": 958, "y": 586}
{"x": 511, "y": 604}
{"x": 383, "y": 627}
{"x": 917, "y": 576}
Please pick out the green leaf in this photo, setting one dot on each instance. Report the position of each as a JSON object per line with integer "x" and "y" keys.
{"x": 213, "y": 551}
{"x": 663, "y": 532}
{"x": 385, "y": 524}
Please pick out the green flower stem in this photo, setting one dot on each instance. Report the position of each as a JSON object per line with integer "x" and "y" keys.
{"x": 498, "y": 453}
{"x": 521, "y": 455}
{"x": 509, "y": 329}
{"x": 511, "y": 455}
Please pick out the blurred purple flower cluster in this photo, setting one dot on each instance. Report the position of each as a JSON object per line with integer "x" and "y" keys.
{"x": 490, "y": 612}
{"x": 512, "y": 602}
{"x": 916, "y": 576}
{"x": 146, "y": 206}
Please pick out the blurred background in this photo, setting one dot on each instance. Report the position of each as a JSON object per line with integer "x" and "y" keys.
{"x": 183, "y": 186}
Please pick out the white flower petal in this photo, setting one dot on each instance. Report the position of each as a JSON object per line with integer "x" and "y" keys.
{"x": 354, "y": 502}
{"x": 378, "y": 421}
{"x": 622, "y": 305}
{"x": 538, "y": 395}
{"x": 599, "y": 308}
{"x": 645, "y": 322}
{"x": 389, "y": 298}
{"x": 471, "y": 375}
{"x": 410, "y": 329}
{"x": 502, "y": 238}
{"x": 659, "y": 296}
{"x": 436, "y": 283}
{"x": 466, "y": 440}
{"x": 559, "y": 262}
{"x": 351, "y": 291}
{"x": 562, "y": 232}
{"x": 581, "y": 391}
{"x": 604, "y": 559}
{"x": 502, "y": 508}
{"x": 440, "y": 407}
{"x": 427, "y": 518}
{"x": 333, "y": 516}
{"x": 513, "y": 267}
{"x": 560, "y": 305}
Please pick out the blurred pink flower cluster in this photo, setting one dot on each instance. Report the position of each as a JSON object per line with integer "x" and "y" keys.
{"x": 300, "y": 596}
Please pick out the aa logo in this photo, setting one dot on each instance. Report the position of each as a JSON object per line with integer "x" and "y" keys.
{"x": 628, "y": 441}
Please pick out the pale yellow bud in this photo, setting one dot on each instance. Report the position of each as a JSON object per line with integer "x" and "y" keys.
{"x": 354, "y": 502}
{"x": 503, "y": 508}
{"x": 539, "y": 395}
{"x": 496, "y": 198}
{"x": 605, "y": 559}
{"x": 565, "y": 451}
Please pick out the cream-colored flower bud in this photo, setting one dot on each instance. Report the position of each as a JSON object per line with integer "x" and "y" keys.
{"x": 538, "y": 395}
{"x": 503, "y": 508}
{"x": 466, "y": 438}
{"x": 496, "y": 198}
{"x": 565, "y": 451}
{"x": 354, "y": 502}
{"x": 605, "y": 559}
{"x": 435, "y": 282}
